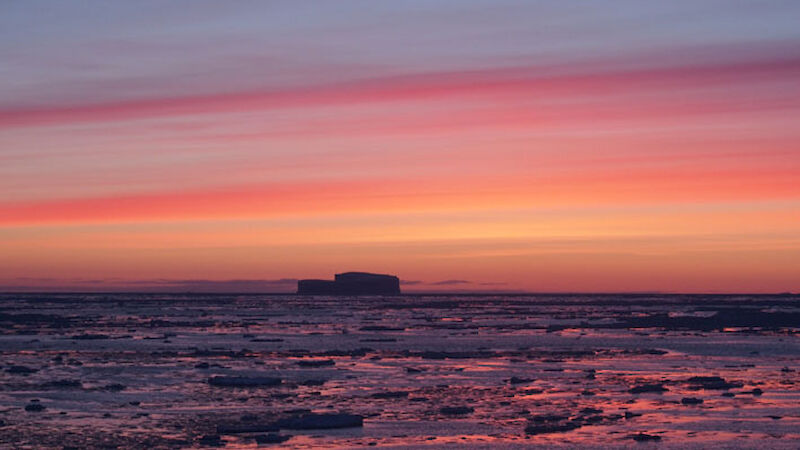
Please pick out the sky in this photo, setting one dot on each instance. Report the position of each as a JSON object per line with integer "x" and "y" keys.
{"x": 547, "y": 146}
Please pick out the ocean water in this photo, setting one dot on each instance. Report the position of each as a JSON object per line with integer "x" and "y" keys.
{"x": 136, "y": 371}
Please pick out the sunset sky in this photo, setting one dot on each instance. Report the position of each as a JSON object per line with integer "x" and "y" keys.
{"x": 461, "y": 145}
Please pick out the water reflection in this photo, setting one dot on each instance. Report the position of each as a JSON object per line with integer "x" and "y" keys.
{"x": 134, "y": 371}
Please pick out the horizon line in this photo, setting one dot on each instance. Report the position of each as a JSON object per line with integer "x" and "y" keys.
{"x": 411, "y": 293}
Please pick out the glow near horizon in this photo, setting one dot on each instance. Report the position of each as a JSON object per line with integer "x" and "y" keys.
{"x": 611, "y": 146}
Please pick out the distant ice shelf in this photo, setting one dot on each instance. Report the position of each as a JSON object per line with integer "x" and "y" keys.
{"x": 351, "y": 283}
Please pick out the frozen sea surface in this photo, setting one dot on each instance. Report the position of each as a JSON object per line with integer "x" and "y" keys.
{"x": 133, "y": 371}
